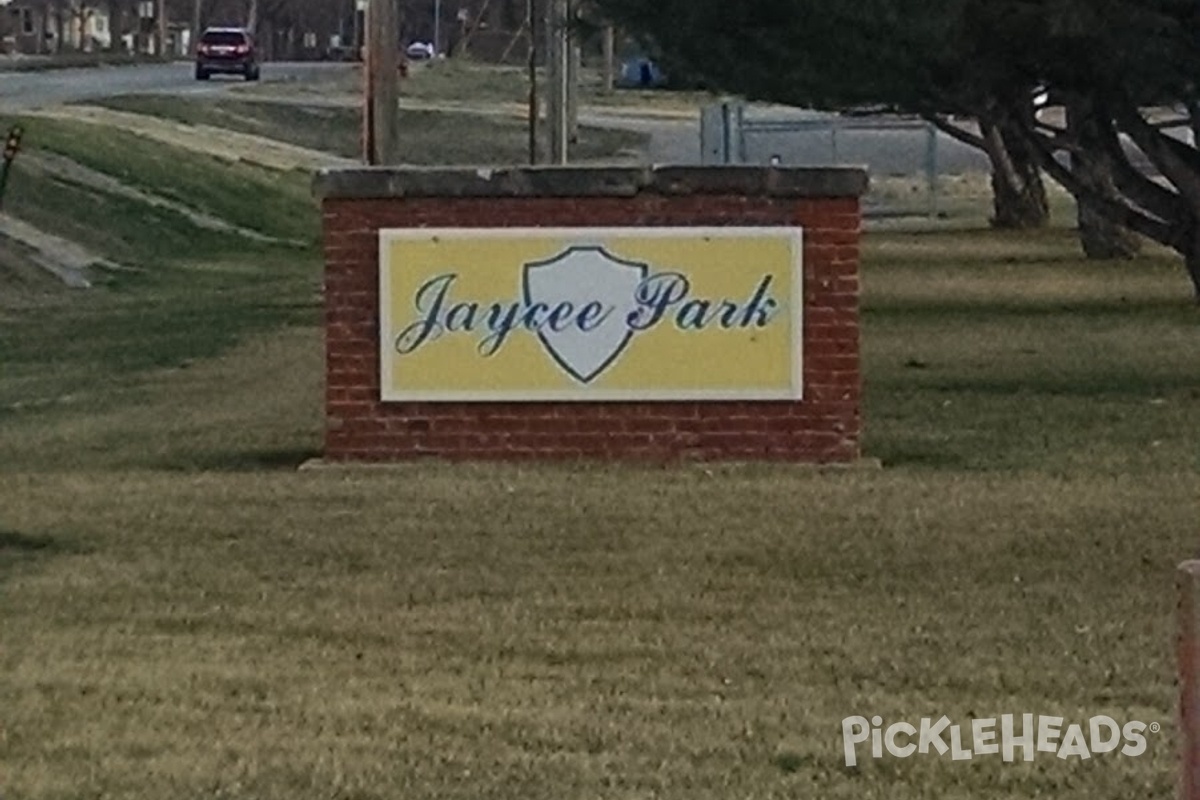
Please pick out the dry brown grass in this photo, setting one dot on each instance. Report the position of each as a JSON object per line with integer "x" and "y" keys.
{"x": 186, "y": 615}
{"x": 451, "y": 633}
{"x": 962, "y": 201}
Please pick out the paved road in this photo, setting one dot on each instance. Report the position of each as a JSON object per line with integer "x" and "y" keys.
{"x": 23, "y": 90}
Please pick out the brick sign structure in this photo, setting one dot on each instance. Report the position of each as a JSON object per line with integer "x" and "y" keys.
{"x": 607, "y": 312}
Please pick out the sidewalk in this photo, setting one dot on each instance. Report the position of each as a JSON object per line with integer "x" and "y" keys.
{"x": 341, "y": 99}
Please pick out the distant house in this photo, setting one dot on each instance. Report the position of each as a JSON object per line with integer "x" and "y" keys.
{"x": 75, "y": 25}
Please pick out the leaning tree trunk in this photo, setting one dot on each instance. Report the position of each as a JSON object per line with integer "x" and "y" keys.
{"x": 1018, "y": 193}
{"x": 1101, "y": 237}
{"x": 1194, "y": 123}
{"x": 1191, "y": 261}
{"x": 1166, "y": 211}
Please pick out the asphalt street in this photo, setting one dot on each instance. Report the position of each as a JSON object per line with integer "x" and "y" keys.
{"x": 24, "y": 90}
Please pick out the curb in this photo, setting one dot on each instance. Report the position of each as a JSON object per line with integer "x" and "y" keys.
{"x": 320, "y": 465}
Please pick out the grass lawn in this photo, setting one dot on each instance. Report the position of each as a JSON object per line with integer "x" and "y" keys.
{"x": 458, "y": 79}
{"x": 429, "y": 137}
{"x": 186, "y": 615}
{"x": 463, "y": 80}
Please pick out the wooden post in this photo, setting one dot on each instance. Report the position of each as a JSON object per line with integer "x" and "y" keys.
{"x": 574, "y": 68}
{"x": 161, "y": 50}
{"x": 1187, "y": 585}
{"x": 382, "y": 72}
{"x": 11, "y": 148}
{"x": 437, "y": 28}
{"x": 534, "y": 111}
{"x": 368, "y": 111}
{"x": 548, "y": 25}
{"x": 197, "y": 21}
{"x": 558, "y": 77}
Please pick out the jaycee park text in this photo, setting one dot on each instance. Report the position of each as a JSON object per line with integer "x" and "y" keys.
{"x": 659, "y": 297}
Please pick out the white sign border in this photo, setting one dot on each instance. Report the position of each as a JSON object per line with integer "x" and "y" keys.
{"x": 583, "y": 395}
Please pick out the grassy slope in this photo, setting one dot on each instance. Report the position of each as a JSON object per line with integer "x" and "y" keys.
{"x": 274, "y": 203}
{"x": 187, "y": 292}
{"x": 185, "y": 615}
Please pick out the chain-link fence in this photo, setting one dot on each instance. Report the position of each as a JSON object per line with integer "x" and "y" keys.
{"x": 909, "y": 159}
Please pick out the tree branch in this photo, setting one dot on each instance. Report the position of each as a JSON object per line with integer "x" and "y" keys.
{"x": 1166, "y": 158}
{"x": 1143, "y": 191}
{"x": 1123, "y": 214}
{"x": 956, "y": 132}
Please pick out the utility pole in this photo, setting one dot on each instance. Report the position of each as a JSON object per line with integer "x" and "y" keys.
{"x": 360, "y": 7}
{"x": 574, "y": 67}
{"x": 610, "y": 58}
{"x": 558, "y": 75}
{"x": 381, "y": 121}
{"x": 194, "y": 35}
{"x": 437, "y": 27}
{"x": 161, "y": 50}
{"x": 531, "y": 19}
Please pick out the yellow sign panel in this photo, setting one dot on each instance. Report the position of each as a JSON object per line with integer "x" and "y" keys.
{"x": 543, "y": 314}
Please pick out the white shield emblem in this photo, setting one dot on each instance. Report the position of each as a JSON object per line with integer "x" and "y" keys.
{"x": 578, "y": 277}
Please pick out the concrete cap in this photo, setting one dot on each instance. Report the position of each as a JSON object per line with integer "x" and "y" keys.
{"x": 580, "y": 181}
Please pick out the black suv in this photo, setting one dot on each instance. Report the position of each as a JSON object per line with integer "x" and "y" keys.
{"x": 226, "y": 50}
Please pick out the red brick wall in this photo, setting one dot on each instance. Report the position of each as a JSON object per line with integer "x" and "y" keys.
{"x": 823, "y": 427}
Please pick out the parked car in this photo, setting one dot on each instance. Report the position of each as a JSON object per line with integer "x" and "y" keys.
{"x": 420, "y": 51}
{"x": 226, "y": 51}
